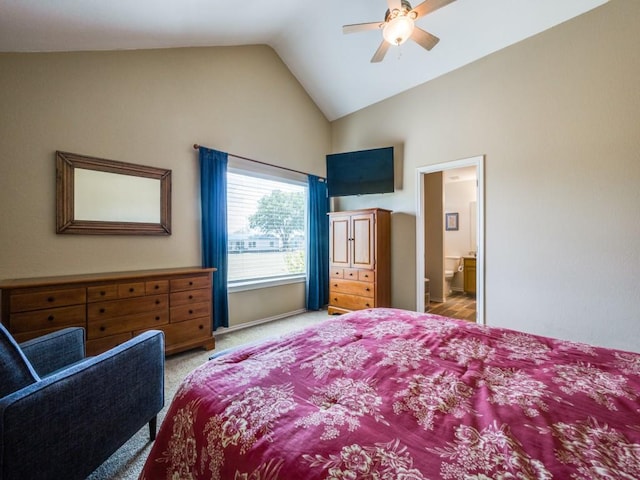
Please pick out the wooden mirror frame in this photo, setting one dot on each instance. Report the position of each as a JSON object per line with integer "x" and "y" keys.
{"x": 67, "y": 162}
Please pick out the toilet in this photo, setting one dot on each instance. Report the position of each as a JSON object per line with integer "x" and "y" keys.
{"x": 452, "y": 265}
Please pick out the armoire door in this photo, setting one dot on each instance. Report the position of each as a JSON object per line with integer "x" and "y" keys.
{"x": 339, "y": 241}
{"x": 362, "y": 239}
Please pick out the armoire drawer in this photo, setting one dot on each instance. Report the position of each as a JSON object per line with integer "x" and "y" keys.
{"x": 367, "y": 275}
{"x": 351, "y": 274}
{"x": 363, "y": 289}
{"x": 350, "y": 302}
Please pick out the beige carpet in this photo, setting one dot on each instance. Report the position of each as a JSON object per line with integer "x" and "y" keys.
{"x": 127, "y": 462}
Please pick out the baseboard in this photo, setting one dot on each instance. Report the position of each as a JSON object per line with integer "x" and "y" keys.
{"x": 253, "y": 323}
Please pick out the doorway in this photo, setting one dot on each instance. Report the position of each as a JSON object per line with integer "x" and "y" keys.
{"x": 430, "y": 229}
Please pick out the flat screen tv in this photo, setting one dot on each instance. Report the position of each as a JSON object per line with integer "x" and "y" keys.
{"x": 360, "y": 173}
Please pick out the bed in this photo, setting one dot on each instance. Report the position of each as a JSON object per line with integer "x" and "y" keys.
{"x": 398, "y": 395}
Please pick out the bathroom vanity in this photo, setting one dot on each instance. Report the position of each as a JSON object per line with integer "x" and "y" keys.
{"x": 469, "y": 269}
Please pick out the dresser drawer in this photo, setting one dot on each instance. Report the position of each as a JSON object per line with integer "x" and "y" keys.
{"x": 24, "y": 302}
{"x": 100, "y": 345}
{"x": 185, "y": 332}
{"x": 50, "y": 318}
{"x": 187, "y": 312}
{"x": 190, "y": 296}
{"x": 156, "y": 286}
{"x": 112, "y": 326}
{"x": 127, "y": 290}
{"x": 350, "y": 302}
{"x": 100, "y": 293}
{"x": 130, "y": 306}
{"x": 190, "y": 283}
{"x": 363, "y": 289}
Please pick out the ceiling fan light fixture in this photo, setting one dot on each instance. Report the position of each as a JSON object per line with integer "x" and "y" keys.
{"x": 398, "y": 30}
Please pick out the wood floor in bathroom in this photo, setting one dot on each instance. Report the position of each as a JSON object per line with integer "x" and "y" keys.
{"x": 458, "y": 305}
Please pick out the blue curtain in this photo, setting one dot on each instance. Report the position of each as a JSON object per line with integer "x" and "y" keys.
{"x": 317, "y": 245}
{"x": 213, "y": 197}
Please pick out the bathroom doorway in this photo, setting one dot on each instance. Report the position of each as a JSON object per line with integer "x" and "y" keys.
{"x": 450, "y": 229}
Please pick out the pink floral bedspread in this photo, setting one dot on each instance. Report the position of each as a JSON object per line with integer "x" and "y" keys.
{"x": 392, "y": 394}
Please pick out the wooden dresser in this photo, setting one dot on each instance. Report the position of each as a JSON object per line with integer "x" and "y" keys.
{"x": 113, "y": 307}
{"x": 359, "y": 260}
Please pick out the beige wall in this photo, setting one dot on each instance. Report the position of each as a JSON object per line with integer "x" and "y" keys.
{"x": 557, "y": 117}
{"x": 147, "y": 107}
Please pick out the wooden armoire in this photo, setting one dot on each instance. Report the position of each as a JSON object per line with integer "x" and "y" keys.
{"x": 359, "y": 260}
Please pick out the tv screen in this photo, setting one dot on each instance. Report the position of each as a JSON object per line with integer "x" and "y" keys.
{"x": 360, "y": 173}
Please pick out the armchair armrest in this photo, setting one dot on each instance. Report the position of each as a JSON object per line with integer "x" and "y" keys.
{"x": 68, "y": 424}
{"x": 55, "y": 350}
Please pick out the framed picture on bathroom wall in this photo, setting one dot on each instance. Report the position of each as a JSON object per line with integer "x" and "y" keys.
{"x": 451, "y": 221}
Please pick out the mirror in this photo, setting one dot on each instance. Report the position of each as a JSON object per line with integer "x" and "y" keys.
{"x": 95, "y": 196}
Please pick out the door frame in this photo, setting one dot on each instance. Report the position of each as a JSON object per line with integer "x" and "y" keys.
{"x": 478, "y": 162}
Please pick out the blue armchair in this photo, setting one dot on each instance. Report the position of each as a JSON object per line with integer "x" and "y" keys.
{"x": 61, "y": 414}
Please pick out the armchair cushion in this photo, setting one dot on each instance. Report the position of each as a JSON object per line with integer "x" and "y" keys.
{"x": 55, "y": 351}
{"x": 15, "y": 370}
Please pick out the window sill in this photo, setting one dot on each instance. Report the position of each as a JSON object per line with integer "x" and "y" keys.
{"x": 265, "y": 283}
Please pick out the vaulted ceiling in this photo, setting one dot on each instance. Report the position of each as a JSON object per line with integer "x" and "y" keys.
{"x": 334, "y": 69}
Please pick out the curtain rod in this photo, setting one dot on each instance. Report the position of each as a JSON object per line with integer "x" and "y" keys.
{"x": 196, "y": 147}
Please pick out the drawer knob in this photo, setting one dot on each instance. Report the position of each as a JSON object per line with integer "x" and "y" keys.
{"x": 131, "y": 289}
{"x": 368, "y": 289}
{"x": 51, "y": 318}
{"x": 190, "y": 283}
{"x": 102, "y": 310}
{"x": 157, "y": 317}
{"x": 351, "y": 274}
{"x": 200, "y": 327}
{"x": 51, "y": 299}
{"x": 190, "y": 312}
{"x": 103, "y": 293}
{"x": 335, "y": 300}
{"x": 367, "y": 305}
{"x": 366, "y": 275}
{"x": 157, "y": 302}
{"x": 190, "y": 297}
{"x": 335, "y": 284}
{"x": 156, "y": 287}
{"x": 102, "y": 328}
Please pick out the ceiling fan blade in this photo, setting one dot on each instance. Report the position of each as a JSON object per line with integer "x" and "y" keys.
{"x": 361, "y": 27}
{"x": 429, "y": 6}
{"x": 394, "y": 4}
{"x": 424, "y": 39}
{"x": 381, "y": 52}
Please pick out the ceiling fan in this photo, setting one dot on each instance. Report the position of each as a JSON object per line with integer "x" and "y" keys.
{"x": 399, "y": 25}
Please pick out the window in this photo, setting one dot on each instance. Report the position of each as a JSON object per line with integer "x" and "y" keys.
{"x": 266, "y": 220}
